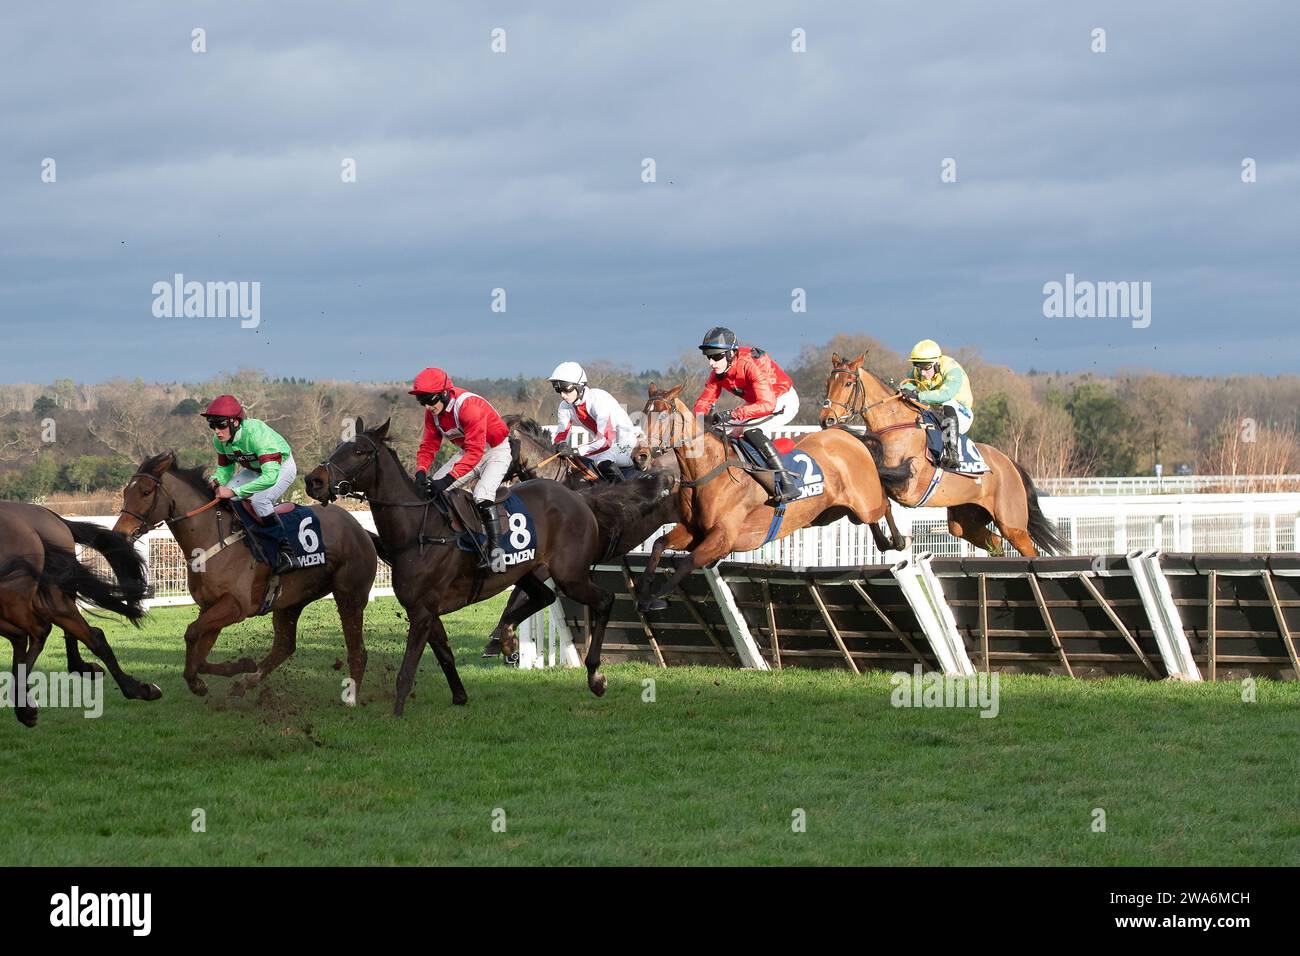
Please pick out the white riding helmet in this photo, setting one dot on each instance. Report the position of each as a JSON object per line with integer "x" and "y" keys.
{"x": 570, "y": 373}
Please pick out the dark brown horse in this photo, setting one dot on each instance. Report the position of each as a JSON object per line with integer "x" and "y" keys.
{"x": 636, "y": 509}
{"x": 724, "y": 510}
{"x": 41, "y": 581}
{"x": 433, "y": 577}
{"x": 1005, "y": 495}
{"x": 228, "y": 584}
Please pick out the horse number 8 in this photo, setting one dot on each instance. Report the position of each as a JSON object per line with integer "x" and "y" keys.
{"x": 519, "y": 536}
{"x": 307, "y": 538}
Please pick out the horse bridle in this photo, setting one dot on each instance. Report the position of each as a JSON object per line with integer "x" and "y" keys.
{"x": 146, "y": 524}
{"x": 859, "y": 390}
{"x": 343, "y": 487}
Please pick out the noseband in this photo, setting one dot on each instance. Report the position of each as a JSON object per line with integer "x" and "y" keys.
{"x": 343, "y": 487}
{"x": 146, "y": 522}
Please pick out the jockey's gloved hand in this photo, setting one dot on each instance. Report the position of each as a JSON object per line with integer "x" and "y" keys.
{"x": 422, "y": 482}
{"x": 715, "y": 419}
{"x": 909, "y": 387}
{"x": 566, "y": 449}
{"x": 438, "y": 485}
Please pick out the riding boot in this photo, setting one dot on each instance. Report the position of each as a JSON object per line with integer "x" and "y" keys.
{"x": 487, "y": 511}
{"x": 951, "y": 457}
{"x": 779, "y": 483}
{"x": 282, "y": 560}
{"x": 609, "y": 471}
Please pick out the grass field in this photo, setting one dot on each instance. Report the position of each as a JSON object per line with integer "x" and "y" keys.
{"x": 711, "y": 772}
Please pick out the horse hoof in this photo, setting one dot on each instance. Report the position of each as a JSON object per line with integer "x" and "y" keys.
{"x": 460, "y": 701}
{"x": 492, "y": 649}
{"x": 149, "y": 692}
{"x": 198, "y": 688}
{"x": 598, "y": 683}
{"x": 655, "y": 604}
{"x": 512, "y": 660}
{"x": 26, "y": 716}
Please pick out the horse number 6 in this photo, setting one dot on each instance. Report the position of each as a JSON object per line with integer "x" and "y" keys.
{"x": 307, "y": 538}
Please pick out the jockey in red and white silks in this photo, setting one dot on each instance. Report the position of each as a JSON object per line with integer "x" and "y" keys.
{"x": 613, "y": 436}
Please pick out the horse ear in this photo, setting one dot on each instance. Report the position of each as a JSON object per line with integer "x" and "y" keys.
{"x": 835, "y": 358}
{"x": 672, "y": 393}
{"x": 857, "y": 362}
{"x": 381, "y": 432}
{"x": 653, "y": 390}
{"x": 360, "y": 424}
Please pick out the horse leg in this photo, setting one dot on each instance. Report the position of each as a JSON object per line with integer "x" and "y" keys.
{"x": 579, "y": 586}
{"x": 899, "y": 542}
{"x": 76, "y": 626}
{"x": 520, "y": 598}
{"x": 536, "y": 597}
{"x": 971, "y": 521}
{"x": 1020, "y": 538}
{"x": 716, "y": 544}
{"x": 202, "y": 634}
{"x": 285, "y": 624}
{"x": 352, "y": 615}
{"x": 446, "y": 659}
{"x": 26, "y": 714}
{"x": 415, "y": 640}
{"x": 677, "y": 538}
{"x": 76, "y": 663}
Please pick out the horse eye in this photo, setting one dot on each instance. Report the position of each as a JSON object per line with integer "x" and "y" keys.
{"x": 147, "y": 491}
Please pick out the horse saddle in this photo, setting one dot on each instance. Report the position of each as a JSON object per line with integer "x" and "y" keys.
{"x": 518, "y": 532}
{"x": 463, "y": 511}
{"x": 970, "y": 461}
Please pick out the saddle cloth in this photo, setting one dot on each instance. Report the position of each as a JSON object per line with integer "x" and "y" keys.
{"x": 301, "y": 526}
{"x": 808, "y": 478}
{"x": 518, "y": 531}
{"x": 970, "y": 462}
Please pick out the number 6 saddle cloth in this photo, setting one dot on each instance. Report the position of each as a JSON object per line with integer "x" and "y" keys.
{"x": 301, "y": 530}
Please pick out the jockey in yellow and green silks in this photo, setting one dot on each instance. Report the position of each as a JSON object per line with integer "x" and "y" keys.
{"x": 938, "y": 380}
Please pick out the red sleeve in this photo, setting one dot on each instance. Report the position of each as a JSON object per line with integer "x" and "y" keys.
{"x": 707, "y": 397}
{"x": 764, "y": 402}
{"x": 224, "y": 460}
{"x": 429, "y": 444}
{"x": 473, "y": 422}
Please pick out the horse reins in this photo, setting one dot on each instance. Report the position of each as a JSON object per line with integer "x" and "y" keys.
{"x": 145, "y": 524}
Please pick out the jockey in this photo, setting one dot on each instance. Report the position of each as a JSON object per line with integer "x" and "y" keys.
{"x": 482, "y": 437}
{"x": 939, "y": 380}
{"x": 769, "y": 396}
{"x": 253, "y": 462}
{"x": 613, "y": 435}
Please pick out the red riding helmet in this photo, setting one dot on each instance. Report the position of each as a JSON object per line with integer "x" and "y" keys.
{"x": 431, "y": 381}
{"x": 224, "y": 406}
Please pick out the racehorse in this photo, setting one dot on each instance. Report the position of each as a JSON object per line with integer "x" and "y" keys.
{"x": 719, "y": 517}
{"x": 228, "y": 584}
{"x": 432, "y": 576}
{"x": 41, "y": 581}
{"x": 1005, "y": 495}
{"x": 635, "y": 509}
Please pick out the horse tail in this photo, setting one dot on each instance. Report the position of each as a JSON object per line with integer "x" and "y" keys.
{"x": 379, "y": 548}
{"x": 623, "y": 508}
{"x": 893, "y": 477}
{"x": 125, "y": 595}
{"x": 1041, "y": 530}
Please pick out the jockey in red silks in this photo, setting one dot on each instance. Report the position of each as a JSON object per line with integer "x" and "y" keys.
{"x": 769, "y": 396}
{"x": 474, "y": 426}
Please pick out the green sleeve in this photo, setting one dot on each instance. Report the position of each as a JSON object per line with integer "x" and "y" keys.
{"x": 952, "y": 383}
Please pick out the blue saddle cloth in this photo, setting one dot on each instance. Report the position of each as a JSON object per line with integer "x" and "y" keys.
{"x": 518, "y": 534}
{"x": 970, "y": 461}
{"x": 809, "y": 480}
{"x": 301, "y": 528}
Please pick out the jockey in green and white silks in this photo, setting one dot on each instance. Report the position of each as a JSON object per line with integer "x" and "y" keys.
{"x": 253, "y": 462}
{"x": 940, "y": 381}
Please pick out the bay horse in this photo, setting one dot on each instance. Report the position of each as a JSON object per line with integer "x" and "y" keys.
{"x": 636, "y": 509}
{"x": 433, "y": 577}
{"x": 1004, "y": 495}
{"x": 721, "y": 513}
{"x": 41, "y": 581}
{"x": 228, "y": 584}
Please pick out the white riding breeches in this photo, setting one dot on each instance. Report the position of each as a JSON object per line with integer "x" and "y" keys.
{"x": 486, "y": 476}
{"x": 264, "y": 501}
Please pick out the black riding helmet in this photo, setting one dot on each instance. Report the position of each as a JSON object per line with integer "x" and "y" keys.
{"x": 719, "y": 339}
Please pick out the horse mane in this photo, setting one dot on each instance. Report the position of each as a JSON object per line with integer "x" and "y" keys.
{"x": 401, "y": 469}
{"x": 528, "y": 426}
{"x": 193, "y": 477}
{"x": 624, "y": 505}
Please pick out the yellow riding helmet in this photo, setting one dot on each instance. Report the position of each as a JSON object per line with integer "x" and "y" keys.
{"x": 926, "y": 350}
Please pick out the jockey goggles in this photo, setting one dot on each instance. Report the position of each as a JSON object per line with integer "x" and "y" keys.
{"x": 430, "y": 398}
{"x": 214, "y": 422}
{"x": 717, "y": 356}
{"x": 562, "y": 387}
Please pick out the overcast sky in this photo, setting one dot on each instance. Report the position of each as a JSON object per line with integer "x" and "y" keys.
{"x": 522, "y": 170}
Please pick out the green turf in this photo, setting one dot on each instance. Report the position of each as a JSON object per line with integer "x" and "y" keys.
{"x": 711, "y": 772}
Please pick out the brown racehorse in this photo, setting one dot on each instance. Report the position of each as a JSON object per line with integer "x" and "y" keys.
{"x": 724, "y": 510}
{"x": 41, "y": 581}
{"x": 1005, "y": 495}
{"x": 432, "y": 576}
{"x": 228, "y": 584}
